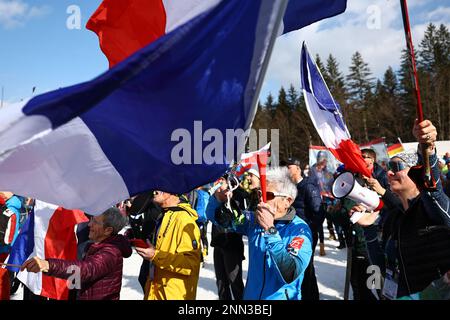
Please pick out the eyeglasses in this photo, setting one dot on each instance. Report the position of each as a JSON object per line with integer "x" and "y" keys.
{"x": 396, "y": 166}
{"x": 271, "y": 195}
{"x": 365, "y": 156}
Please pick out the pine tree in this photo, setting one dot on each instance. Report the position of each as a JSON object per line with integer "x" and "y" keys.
{"x": 360, "y": 83}
{"x": 292, "y": 98}
{"x": 270, "y": 105}
{"x": 387, "y": 107}
{"x": 336, "y": 82}
{"x": 426, "y": 57}
{"x": 390, "y": 82}
{"x": 283, "y": 104}
{"x": 434, "y": 61}
{"x": 434, "y": 49}
{"x": 443, "y": 40}
{"x": 443, "y": 79}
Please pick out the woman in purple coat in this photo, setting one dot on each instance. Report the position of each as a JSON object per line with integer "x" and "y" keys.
{"x": 98, "y": 276}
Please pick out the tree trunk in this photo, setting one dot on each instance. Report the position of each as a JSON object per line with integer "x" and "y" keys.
{"x": 366, "y": 134}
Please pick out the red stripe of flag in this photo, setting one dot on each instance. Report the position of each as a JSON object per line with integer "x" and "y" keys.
{"x": 124, "y": 27}
{"x": 60, "y": 243}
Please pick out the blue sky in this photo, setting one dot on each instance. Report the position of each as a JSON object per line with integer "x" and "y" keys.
{"x": 37, "y": 49}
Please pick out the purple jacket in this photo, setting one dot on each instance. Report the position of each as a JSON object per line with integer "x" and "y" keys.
{"x": 100, "y": 269}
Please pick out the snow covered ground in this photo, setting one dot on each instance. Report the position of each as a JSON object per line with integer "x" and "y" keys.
{"x": 330, "y": 272}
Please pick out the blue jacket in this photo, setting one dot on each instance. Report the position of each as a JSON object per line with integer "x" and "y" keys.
{"x": 202, "y": 203}
{"x": 276, "y": 262}
{"x": 14, "y": 205}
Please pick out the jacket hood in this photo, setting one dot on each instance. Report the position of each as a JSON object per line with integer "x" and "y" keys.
{"x": 120, "y": 242}
{"x": 290, "y": 214}
{"x": 14, "y": 202}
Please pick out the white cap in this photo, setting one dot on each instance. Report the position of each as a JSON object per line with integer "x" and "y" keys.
{"x": 254, "y": 172}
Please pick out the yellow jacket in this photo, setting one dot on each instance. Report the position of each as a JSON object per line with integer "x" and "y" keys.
{"x": 177, "y": 256}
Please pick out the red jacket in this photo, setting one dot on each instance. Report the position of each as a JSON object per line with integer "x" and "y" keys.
{"x": 100, "y": 269}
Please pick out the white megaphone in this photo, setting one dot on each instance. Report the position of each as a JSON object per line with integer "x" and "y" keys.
{"x": 346, "y": 186}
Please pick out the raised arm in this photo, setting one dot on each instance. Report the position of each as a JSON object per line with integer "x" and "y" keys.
{"x": 436, "y": 202}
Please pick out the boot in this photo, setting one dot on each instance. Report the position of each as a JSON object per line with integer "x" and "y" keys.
{"x": 341, "y": 245}
{"x": 332, "y": 235}
{"x": 322, "y": 249}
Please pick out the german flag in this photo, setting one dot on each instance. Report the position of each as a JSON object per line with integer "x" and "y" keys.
{"x": 395, "y": 149}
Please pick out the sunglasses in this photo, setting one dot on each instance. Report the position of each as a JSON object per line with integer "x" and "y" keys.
{"x": 396, "y": 166}
{"x": 271, "y": 195}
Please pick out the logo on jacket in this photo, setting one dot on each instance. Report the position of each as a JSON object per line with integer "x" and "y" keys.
{"x": 295, "y": 245}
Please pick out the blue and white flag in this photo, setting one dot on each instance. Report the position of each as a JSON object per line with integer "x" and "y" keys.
{"x": 326, "y": 116}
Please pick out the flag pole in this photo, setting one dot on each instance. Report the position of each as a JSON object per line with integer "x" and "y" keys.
{"x": 11, "y": 265}
{"x": 419, "y": 109}
{"x": 262, "y": 163}
{"x": 265, "y": 64}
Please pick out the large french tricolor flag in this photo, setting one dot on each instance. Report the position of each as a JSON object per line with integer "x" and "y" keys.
{"x": 326, "y": 116}
{"x": 91, "y": 145}
{"x": 49, "y": 232}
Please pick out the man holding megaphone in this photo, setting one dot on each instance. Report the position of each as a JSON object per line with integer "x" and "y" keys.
{"x": 416, "y": 232}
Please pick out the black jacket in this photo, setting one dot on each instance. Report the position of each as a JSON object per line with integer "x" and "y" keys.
{"x": 416, "y": 244}
{"x": 220, "y": 237}
{"x": 307, "y": 204}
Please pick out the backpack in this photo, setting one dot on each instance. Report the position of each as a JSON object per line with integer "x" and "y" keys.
{"x": 8, "y": 220}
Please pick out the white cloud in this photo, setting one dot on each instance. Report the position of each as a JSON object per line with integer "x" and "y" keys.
{"x": 14, "y": 13}
{"x": 440, "y": 13}
{"x": 342, "y": 37}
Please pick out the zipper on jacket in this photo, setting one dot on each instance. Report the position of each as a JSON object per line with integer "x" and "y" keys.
{"x": 264, "y": 275}
{"x": 168, "y": 224}
{"x": 401, "y": 260}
